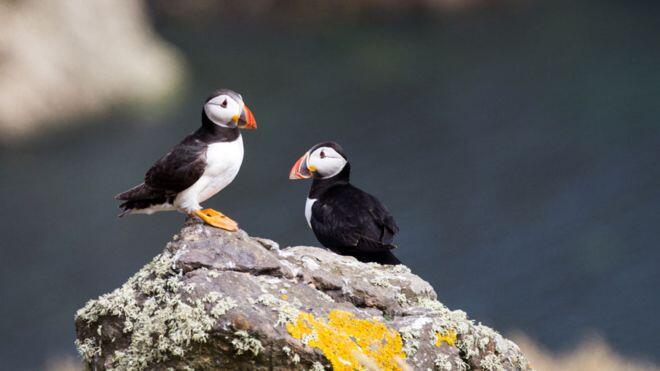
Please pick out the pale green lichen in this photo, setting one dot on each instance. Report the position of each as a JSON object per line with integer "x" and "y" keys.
{"x": 382, "y": 281}
{"x": 444, "y": 362}
{"x": 244, "y": 343}
{"x": 410, "y": 341}
{"x": 411, "y": 334}
{"x": 453, "y": 328}
{"x": 286, "y": 312}
{"x": 223, "y": 306}
{"x": 189, "y": 288}
{"x": 293, "y": 356}
{"x": 483, "y": 343}
{"x": 492, "y": 363}
{"x": 317, "y": 366}
{"x": 212, "y": 297}
{"x": 475, "y": 341}
{"x": 88, "y": 349}
{"x": 432, "y": 305}
{"x": 161, "y": 325}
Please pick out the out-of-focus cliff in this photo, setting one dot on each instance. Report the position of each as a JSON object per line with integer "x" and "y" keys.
{"x": 60, "y": 59}
{"x": 313, "y": 10}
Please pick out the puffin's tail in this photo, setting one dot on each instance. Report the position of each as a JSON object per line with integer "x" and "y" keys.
{"x": 138, "y": 198}
{"x": 384, "y": 257}
{"x": 370, "y": 250}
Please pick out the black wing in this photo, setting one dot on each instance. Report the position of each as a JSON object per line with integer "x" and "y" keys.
{"x": 179, "y": 168}
{"x": 386, "y": 227}
{"x": 346, "y": 216}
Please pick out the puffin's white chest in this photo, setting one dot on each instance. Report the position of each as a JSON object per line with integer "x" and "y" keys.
{"x": 223, "y": 157}
{"x": 223, "y": 161}
{"x": 308, "y": 210}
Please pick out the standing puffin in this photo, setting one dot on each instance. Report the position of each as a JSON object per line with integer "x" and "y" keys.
{"x": 204, "y": 163}
{"x": 344, "y": 218}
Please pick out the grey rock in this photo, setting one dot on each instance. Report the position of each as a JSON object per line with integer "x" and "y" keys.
{"x": 215, "y": 249}
{"x": 219, "y": 300}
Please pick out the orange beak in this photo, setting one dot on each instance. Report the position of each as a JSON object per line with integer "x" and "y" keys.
{"x": 300, "y": 169}
{"x": 247, "y": 121}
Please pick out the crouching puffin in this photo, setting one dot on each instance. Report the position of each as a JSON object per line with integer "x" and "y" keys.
{"x": 344, "y": 218}
{"x": 204, "y": 163}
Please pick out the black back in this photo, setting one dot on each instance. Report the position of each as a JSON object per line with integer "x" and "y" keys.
{"x": 350, "y": 221}
{"x": 185, "y": 163}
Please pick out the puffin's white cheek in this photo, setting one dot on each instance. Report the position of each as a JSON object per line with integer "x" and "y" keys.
{"x": 216, "y": 114}
{"x": 329, "y": 167}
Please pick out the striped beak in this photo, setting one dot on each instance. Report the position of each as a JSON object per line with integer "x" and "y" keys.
{"x": 246, "y": 120}
{"x": 300, "y": 170}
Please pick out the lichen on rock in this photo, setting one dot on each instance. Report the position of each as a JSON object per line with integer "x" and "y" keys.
{"x": 244, "y": 343}
{"x": 155, "y": 319}
{"x": 346, "y": 340}
{"x": 219, "y": 300}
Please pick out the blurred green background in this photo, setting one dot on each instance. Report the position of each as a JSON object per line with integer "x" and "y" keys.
{"x": 516, "y": 143}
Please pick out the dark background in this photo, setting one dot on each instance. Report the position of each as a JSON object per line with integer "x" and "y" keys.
{"x": 517, "y": 148}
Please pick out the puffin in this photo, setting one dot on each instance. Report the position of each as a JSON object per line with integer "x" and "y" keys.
{"x": 197, "y": 168}
{"x": 344, "y": 218}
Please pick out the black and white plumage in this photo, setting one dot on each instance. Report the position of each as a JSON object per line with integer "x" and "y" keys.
{"x": 201, "y": 165}
{"x": 344, "y": 218}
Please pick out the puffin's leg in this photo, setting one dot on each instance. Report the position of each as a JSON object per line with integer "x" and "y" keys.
{"x": 217, "y": 219}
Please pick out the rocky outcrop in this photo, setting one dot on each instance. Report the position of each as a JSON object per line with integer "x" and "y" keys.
{"x": 219, "y": 300}
{"x": 60, "y": 59}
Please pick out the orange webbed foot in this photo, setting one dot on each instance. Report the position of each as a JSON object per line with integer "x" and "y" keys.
{"x": 217, "y": 219}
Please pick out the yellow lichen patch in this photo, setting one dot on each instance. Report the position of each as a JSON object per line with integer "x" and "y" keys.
{"x": 347, "y": 342}
{"x": 284, "y": 296}
{"x": 448, "y": 337}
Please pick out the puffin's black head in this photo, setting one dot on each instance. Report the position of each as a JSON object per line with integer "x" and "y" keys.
{"x": 226, "y": 108}
{"x": 324, "y": 160}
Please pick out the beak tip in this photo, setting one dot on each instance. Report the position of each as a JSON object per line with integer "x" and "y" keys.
{"x": 298, "y": 171}
{"x": 247, "y": 120}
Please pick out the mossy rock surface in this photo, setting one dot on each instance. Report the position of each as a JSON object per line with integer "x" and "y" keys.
{"x": 219, "y": 300}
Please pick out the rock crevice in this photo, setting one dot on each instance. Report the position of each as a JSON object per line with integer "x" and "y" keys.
{"x": 219, "y": 300}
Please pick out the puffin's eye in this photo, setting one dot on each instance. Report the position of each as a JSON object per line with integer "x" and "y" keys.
{"x": 224, "y": 103}
{"x": 322, "y": 154}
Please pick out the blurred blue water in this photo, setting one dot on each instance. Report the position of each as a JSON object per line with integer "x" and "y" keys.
{"x": 517, "y": 149}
